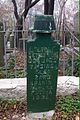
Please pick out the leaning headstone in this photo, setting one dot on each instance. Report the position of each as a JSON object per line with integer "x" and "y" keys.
{"x": 1, "y": 45}
{"x": 42, "y": 68}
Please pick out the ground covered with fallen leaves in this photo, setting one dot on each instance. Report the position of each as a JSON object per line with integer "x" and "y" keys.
{"x": 12, "y": 109}
{"x": 66, "y": 108}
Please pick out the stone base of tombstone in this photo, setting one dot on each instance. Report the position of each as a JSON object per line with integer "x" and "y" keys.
{"x": 39, "y": 116}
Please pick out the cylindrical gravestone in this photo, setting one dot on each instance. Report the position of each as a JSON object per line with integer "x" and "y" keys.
{"x": 1, "y": 45}
{"x": 42, "y": 66}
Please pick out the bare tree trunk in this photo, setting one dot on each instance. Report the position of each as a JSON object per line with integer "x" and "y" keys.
{"x": 46, "y": 5}
{"x": 51, "y": 7}
{"x": 19, "y": 24}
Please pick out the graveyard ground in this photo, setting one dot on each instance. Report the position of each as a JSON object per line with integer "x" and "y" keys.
{"x": 15, "y": 109}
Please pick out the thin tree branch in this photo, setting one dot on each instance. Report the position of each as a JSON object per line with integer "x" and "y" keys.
{"x": 60, "y": 16}
{"x": 28, "y": 7}
{"x": 27, "y": 3}
{"x": 15, "y": 9}
{"x": 33, "y": 3}
{"x": 62, "y": 4}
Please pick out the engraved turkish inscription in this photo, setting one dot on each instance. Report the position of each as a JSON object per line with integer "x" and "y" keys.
{"x": 42, "y": 61}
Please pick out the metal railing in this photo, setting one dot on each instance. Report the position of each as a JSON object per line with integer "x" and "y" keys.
{"x": 71, "y": 53}
{"x": 67, "y": 53}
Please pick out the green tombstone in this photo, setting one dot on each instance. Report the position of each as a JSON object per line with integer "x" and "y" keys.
{"x": 1, "y": 45}
{"x": 42, "y": 66}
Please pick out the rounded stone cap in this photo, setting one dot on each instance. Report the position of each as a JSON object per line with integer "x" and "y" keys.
{"x": 44, "y": 24}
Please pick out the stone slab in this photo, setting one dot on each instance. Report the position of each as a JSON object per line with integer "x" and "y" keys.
{"x": 40, "y": 115}
{"x": 16, "y": 88}
{"x": 67, "y": 85}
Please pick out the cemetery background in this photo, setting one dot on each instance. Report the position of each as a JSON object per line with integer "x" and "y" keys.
{"x": 14, "y": 58}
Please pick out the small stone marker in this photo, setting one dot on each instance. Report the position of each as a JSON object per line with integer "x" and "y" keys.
{"x": 42, "y": 68}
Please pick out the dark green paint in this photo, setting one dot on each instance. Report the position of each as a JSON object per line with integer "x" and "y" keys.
{"x": 44, "y": 24}
{"x": 42, "y": 72}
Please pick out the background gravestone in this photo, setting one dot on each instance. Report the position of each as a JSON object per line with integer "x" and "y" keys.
{"x": 1, "y": 45}
{"x": 42, "y": 66}
{"x": 11, "y": 40}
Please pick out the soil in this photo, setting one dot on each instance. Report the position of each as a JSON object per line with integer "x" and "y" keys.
{"x": 11, "y": 110}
